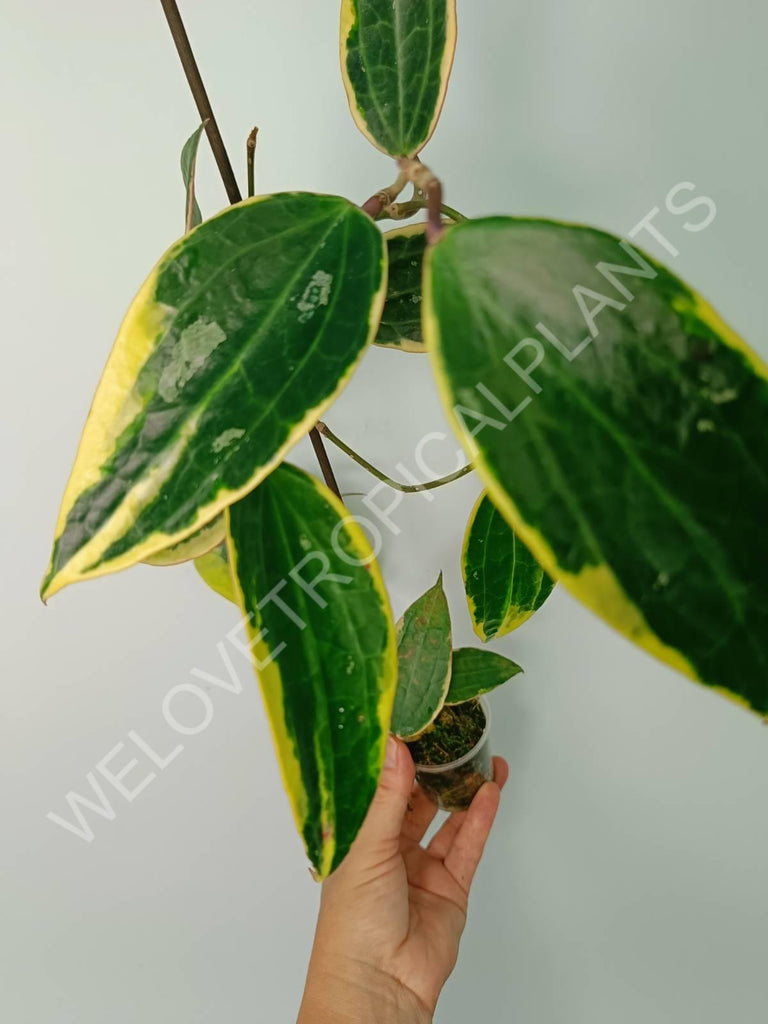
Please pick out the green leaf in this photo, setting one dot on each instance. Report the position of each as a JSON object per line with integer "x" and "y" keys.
{"x": 213, "y": 568}
{"x": 192, "y": 215}
{"x": 396, "y": 57}
{"x": 424, "y": 662}
{"x": 323, "y": 642}
{"x": 476, "y": 672}
{"x": 621, "y": 428}
{"x": 400, "y": 325}
{"x": 241, "y": 337}
{"x": 504, "y": 583}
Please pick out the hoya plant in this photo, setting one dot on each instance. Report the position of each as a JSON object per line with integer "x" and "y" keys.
{"x": 437, "y": 711}
{"x": 618, "y": 425}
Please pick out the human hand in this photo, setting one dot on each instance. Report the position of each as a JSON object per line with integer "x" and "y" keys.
{"x": 392, "y": 914}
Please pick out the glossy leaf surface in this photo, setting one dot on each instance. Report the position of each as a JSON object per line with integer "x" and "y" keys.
{"x": 396, "y": 57}
{"x": 424, "y": 662}
{"x": 622, "y": 429}
{"x": 400, "y": 325}
{"x": 475, "y": 672}
{"x": 504, "y": 583}
{"x": 192, "y": 214}
{"x": 240, "y": 338}
{"x": 323, "y": 643}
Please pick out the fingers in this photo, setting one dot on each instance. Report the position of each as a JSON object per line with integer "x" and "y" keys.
{"x": 442, "y": 840}
{"x": 465, "y": 852}
{"x": 421, "y": 814}
{"x": 500, "y": 772}
{"x": 379, "y": 836}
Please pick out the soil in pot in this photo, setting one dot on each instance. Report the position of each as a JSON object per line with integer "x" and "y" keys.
{"x": 453, "y": 735}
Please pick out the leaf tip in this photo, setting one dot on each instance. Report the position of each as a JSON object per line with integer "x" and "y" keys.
{"x": 480, "y": 632}
{"x": 53, "y": 582}
{"x": 46, "y": 590}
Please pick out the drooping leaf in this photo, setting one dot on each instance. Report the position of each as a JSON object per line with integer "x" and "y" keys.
{"x": 400, "y": 325}
{"x": 622, "y": 429}
{"x": 213, "y": 568}
{"x": 240, "y": 338}
{"x": 424, "y": 662}
{"x": 323, "y": 643}
{"x": 192, "y": 215}
{"x": 475, "y": 672}
{"x": 504, "y": 583}
{"x": 396, "y": 57}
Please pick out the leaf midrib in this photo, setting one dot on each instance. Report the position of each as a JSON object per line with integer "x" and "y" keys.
{"x": 236, "y": 366}
{"x": 430, "y": 607}
{"x": 614, "y": 432}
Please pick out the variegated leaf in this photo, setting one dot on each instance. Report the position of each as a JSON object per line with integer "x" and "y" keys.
{"x": 424, "y": 662}
{"x": 621, "y": 427}
{"x": 396, "y": 57}
{"x": 323, "y": 642}
{"x": 400, "y": 325}
{"x": 240, "y": 338}
{"x": 504, "y": 583}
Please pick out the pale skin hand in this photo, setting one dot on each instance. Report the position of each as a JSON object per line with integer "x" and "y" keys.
{"x": 392, "y": 914}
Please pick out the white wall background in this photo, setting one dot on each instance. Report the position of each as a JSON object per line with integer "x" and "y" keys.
{"x": 626, "y": 878}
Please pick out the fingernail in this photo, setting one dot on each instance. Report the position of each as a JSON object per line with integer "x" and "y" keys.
{"x": 390, "y": 756}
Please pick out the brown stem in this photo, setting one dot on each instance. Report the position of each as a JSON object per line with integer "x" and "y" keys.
{"x": 325, "y": 462}
{"x": 385, "y": 197}
{"x": 250, "y": 150}
{"x": 373, "y": 206}
{"x": 425, "y": 181}
{"x": 200, "y": 96}
{"x": 435, "y": 227}
{"x": 402, "y": 211}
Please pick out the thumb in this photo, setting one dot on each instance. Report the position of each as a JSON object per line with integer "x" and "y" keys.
{"x": 379, "y": 836}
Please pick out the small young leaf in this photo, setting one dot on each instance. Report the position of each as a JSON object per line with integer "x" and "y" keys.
{"x": 621, "y": 427}
{"x": 424, "y": 662}
{"x": 400, "y": 325}
{"x": 192, "y": 215}
{"x": 213, "y": 568}
{"x": 240, "y": 338}
{"x": 324, "y": 651}
{"x": 504, "y": 583}
{"x": 396, "y": 57}
{"x": 475, "y": 672}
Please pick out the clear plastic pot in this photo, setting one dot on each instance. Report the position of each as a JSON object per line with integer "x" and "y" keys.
{"x": 453, "y": 785}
